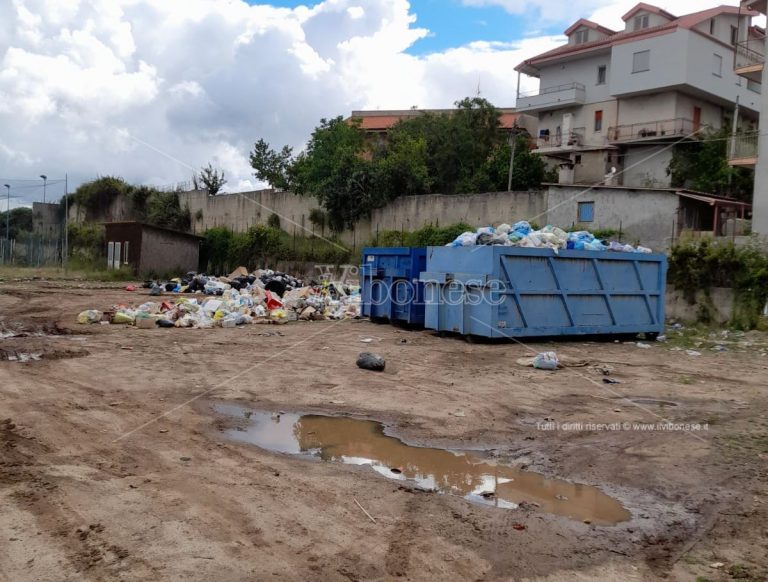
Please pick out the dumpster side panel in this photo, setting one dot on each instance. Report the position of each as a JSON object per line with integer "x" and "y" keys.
{"x": 519, "y": 292}
{"x": 390, "y": 284}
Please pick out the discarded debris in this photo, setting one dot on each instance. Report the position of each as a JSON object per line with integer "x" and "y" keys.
{"x": 364, "y": 511}
{"x": 693, "y": 353}
{"x": 369, "y": 361}
{"x": 643, "y": 346}
{"x": 261, "y": 297}
{"x": 519, "y": 526}
{"x": 521, "y": 234}
{"x": 546, "y": 361}
{"x": 610, "y": 381}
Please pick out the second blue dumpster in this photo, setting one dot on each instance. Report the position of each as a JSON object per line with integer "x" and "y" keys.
{"x": 390, "y": 285}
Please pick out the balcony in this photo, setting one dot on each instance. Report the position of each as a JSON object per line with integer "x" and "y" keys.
{"x": 759, "y": 5}
{"x": 742, "y": 150}
{"x": 651, "y": 131}
{"x": 571, "y": 140}
{"x": 551, "y": 98}
{"x": 750, "y": 58}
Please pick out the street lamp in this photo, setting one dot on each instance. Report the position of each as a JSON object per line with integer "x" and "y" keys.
{"x": 45, "y": 182}
{"x": 8, "y": 223}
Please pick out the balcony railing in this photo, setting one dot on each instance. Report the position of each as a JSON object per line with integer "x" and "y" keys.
{"x": 554, "y": 97}
{"x": 571, "y": 139}
{"x": 743, "y": 146}
{"x": 750, "y": 53}
{"x": 678, "y": 127}
{"x": 554, "y": 89}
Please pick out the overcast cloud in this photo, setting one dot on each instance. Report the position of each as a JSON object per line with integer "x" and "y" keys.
{"x": 149, "y": 89}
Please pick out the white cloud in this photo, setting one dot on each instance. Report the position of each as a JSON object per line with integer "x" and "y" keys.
{"x": 149, "y": 90}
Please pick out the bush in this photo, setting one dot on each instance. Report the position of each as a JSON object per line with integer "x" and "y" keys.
{"x": 222, "y": 250}
{"x": 427, "y": 236}
{"x": 273, "y": 221}
{"x": 696, "y": 266}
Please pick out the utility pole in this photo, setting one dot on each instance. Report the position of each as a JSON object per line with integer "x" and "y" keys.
{"x": 45, "y": 183}
{"x": 66, "y": 224}
{"x": 512, "y": 158}
{"x": 8, "y": 225}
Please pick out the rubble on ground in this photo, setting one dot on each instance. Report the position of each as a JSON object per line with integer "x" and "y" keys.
{"x": 242, "y": 298}
{"x": 521, "y": 234}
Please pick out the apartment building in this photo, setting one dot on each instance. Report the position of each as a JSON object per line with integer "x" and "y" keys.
{"x": 612, "y": 104}
{"x": 750, "y": 149}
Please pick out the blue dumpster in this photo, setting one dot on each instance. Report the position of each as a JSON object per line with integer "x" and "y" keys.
{"x": 498, "y": 292}
{"x": 390, "y": 284}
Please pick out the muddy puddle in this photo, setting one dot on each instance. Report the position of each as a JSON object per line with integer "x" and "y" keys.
{"x": 363, "y": 442}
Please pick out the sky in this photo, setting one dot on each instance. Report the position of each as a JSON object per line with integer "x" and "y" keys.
{"x": 153, "y": 90}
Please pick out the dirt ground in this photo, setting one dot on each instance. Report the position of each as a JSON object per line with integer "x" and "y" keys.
{"x": 113, "y": 465}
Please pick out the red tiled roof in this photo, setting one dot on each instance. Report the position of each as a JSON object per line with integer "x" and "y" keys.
{"x": 648, "y": 8}
{"x": 589, "y": 24}
{"x": 687, "y": 22}
{"x": 375, "y": 121}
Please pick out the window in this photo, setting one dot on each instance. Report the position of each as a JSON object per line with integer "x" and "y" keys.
{"x": 734, "y": 35}
{"x": 602, "y": 72}
{"x": 599, "y": 120}
{"x": 125, "y": 253}
{"x": 641, "y": 62}
{"x": 586, "y": 212}
{"x": 712, "y": 26}
{"x": 641, "y": 22}
{"x": 753, "y": 86}
{"x": 717, "y": 66}
{"x": 577, "y": 159}
{"x": 581, "y": 36}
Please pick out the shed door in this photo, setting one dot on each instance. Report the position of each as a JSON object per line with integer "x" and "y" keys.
{"x": 110, "y": 254}
{"x": 117, "y": 255}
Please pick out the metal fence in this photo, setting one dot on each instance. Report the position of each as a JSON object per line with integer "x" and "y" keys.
{"x": 32, "y": 251}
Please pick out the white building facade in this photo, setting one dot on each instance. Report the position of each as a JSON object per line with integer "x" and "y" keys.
{"x": 750, "y": 149}
{"x": 612, "y": 105}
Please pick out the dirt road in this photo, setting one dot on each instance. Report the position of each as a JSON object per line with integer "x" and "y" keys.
{"x": 115, "y": 465}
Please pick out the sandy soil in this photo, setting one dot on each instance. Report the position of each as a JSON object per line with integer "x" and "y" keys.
{"x": 113, "y": 464}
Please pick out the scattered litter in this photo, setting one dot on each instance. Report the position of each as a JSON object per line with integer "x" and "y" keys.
{"x": 716, "y": 565}
{"x": 643, "y": 346}
{"x": 364, "y": 511}
{"x": 519, "y": 526}
{"x": 458, "y": 413}
{"x": 546, "y": 361}
{"x": 261, "y": 297}
{"x": 89, "y": 316}
{"x": 366, "y": 340}
{"x": 719, "y": 349}
{"x": 130, "y": 287}
{"x": 521, "y": 234}
{"x": 610, "y": 381}
{"x": 369, "y": 361}
{"x": 693, "y": 353}
{"x": 661, "y": 338}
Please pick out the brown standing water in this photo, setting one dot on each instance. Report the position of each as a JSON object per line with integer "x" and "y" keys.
{"x": 363, "y": 442}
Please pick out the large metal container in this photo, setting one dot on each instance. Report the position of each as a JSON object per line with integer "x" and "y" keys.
{"x": 391, "y": 289}
{"x": 501, "y": 292}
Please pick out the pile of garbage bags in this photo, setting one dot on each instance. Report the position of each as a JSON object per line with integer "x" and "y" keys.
{"x": 521, "y": 234}
{"x": 259, "y": 297}
{"x": 240, "y": 278}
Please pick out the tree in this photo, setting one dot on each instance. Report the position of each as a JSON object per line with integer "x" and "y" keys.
{"x": 351, "y": 174}
{"x": 20, "y": 221}
{"x": 212, "y": 180}
{"x": 702, "y": 165}
{"x": 271, "y": 166}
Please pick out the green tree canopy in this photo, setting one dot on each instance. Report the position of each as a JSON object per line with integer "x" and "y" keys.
{"x": 351, "y": 173}
{"x": 703, "y": 165}
{"x": 20, "y": 221}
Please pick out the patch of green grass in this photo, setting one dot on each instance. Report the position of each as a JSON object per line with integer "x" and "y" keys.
{"x": 72, "y": 273}
{"x": 739, "y": 572}
{"x": 702, "y": 579}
